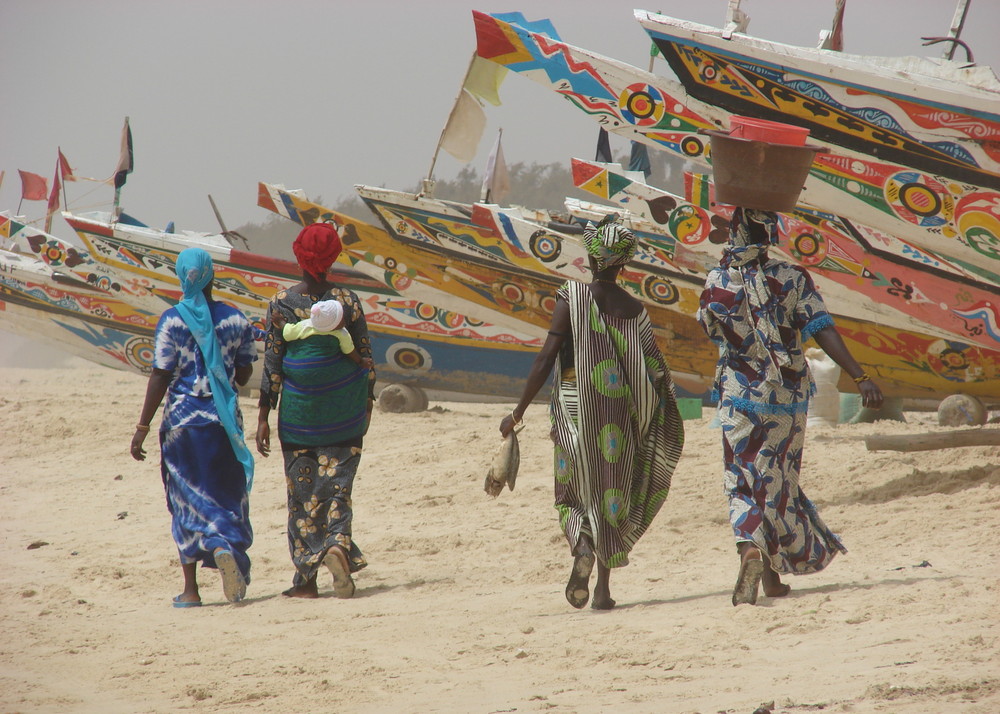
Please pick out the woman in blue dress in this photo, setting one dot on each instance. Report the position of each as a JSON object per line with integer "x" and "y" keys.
{"x": 204, "y": 350}
{"x": 760, "y": 311}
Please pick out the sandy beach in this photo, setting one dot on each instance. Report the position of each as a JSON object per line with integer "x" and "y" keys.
{"x": 461, "y": 608}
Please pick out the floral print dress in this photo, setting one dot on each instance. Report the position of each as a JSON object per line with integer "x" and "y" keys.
{"x": 763, "y": 387}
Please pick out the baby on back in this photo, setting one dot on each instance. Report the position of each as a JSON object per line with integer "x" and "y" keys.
{"x": 326, "y": 317}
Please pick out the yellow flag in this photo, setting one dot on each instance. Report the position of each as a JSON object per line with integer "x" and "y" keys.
{"x": 484, "y": 78}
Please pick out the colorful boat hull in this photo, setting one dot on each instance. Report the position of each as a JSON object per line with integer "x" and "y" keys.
{"x": 413, "y": 342}
{"x": 868, "y": 274}
{"x": 957, "y": 220}
{"x": 940, "y": 117}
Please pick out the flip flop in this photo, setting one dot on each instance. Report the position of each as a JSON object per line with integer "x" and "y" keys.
{"x": 234, "y": 587}
{"x": 343, "y": 583}
{"x": 185, "y": 603}
{"x": 578, "y": 587}
{"x": 751, "y": 570}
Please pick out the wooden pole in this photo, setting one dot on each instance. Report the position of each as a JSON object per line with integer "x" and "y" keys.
{"x": 62, "y": 180}
{"x": 218, "y": 216}
{"x": 933, "y": 440}
{"x": 957, "y": 24}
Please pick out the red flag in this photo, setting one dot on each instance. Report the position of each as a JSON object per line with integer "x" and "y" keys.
{"x": 33, "y": 186}
{"x": 65, "y": 170}
{"x": 124, "y": 167}
{"x": 54, "y": 196}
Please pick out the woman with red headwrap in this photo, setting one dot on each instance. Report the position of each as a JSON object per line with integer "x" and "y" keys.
{"x": 323, "y": 412}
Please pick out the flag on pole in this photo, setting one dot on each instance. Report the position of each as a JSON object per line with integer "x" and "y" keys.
{"x": 484, "y": 78}
{"x": 639, "y": 159}
{"x": 54, "y": 196}
{"x": 65, "y": 170}
{"x": 124, "y": 167}
{"x": 33, "y": 186}
{"x": 603, "y": 147}
{"x": 496, "y": 182}
{"x": 464, "y": 129}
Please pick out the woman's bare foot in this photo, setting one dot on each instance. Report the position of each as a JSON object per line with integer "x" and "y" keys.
{"x": 602, "y": 590}
{"x": 307, "y": 590}
{"x": 602, "y": 602}
{"x": 772, "y": 585}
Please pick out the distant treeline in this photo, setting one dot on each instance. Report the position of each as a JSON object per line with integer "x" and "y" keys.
{"x": 543, "y": 186}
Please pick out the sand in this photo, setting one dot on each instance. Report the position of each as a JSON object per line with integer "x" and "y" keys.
{"x": 462, "y": 607}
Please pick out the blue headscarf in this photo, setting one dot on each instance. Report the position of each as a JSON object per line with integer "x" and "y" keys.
{"x": 194, "y": 270}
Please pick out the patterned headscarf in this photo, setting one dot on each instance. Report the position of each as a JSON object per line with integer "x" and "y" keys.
{"x": 316, "y": 248}
{"x": 751, "y": 233}
{"x": 195, "y": 271}
{"x": 609, "y": 243}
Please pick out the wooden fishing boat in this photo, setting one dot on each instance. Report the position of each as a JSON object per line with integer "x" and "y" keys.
{"x": 652, "y": 276}
{"x": 413, "y": 343}
{"x": 906, "y": 355}
{"x": 959, "y": 221}
{"x": 448, "y": 229}
{"x": 64, "y": 258}
{"x": 73, "y": 316}
{"x": 939, "y": 116}
{"x": 861, "y": 271}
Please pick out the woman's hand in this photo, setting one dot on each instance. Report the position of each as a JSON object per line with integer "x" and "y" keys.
{"x": 871, "y": 395}
{"x": 136, "y": 449}
{"x": 277, "y": 319}
{"x": 263, "y": 438}
{"x": 508, "y": 424}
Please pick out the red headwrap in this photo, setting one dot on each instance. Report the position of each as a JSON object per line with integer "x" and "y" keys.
{"x": 316, "y": 247}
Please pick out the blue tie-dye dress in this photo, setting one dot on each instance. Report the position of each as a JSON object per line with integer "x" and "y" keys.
{"x": 205, "y": 483}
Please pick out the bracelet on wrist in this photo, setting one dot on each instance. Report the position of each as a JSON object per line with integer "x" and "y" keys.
{"x": 862, "y": 378}
{"x": 142, "y": 427}
{"x": 517, "y": 422}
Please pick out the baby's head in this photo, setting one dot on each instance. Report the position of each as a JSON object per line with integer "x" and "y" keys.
{"x": 327, "y": 315}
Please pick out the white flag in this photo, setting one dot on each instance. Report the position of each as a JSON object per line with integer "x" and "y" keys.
{"x": 464, "y": 129}
{"x": 496, "y": 182}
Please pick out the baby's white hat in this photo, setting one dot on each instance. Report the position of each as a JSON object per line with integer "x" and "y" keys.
{"x": 326, "y": 315}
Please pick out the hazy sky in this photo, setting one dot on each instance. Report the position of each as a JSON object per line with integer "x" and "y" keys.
{"x": 324, "y": 95}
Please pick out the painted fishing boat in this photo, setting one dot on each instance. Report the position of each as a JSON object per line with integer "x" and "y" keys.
{"x": 959, "y": 221}
{"x": 904, "y": 352}
{"x": 73, "y": 316}
{"x": 413, "y": 343}
{"x": 64, "y": 258}
{"x": 652, "y": 276}
{"x": 861, "y": 271}
{"x": 454, "y": 273}
{"x": 449, "y": 228}
{"x": 939, "y": 116}
{"x": 462, "y": 283}
{"x": 919, "y": 362}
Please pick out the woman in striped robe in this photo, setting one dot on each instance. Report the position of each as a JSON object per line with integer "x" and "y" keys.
{"x": 615, "y": 424}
